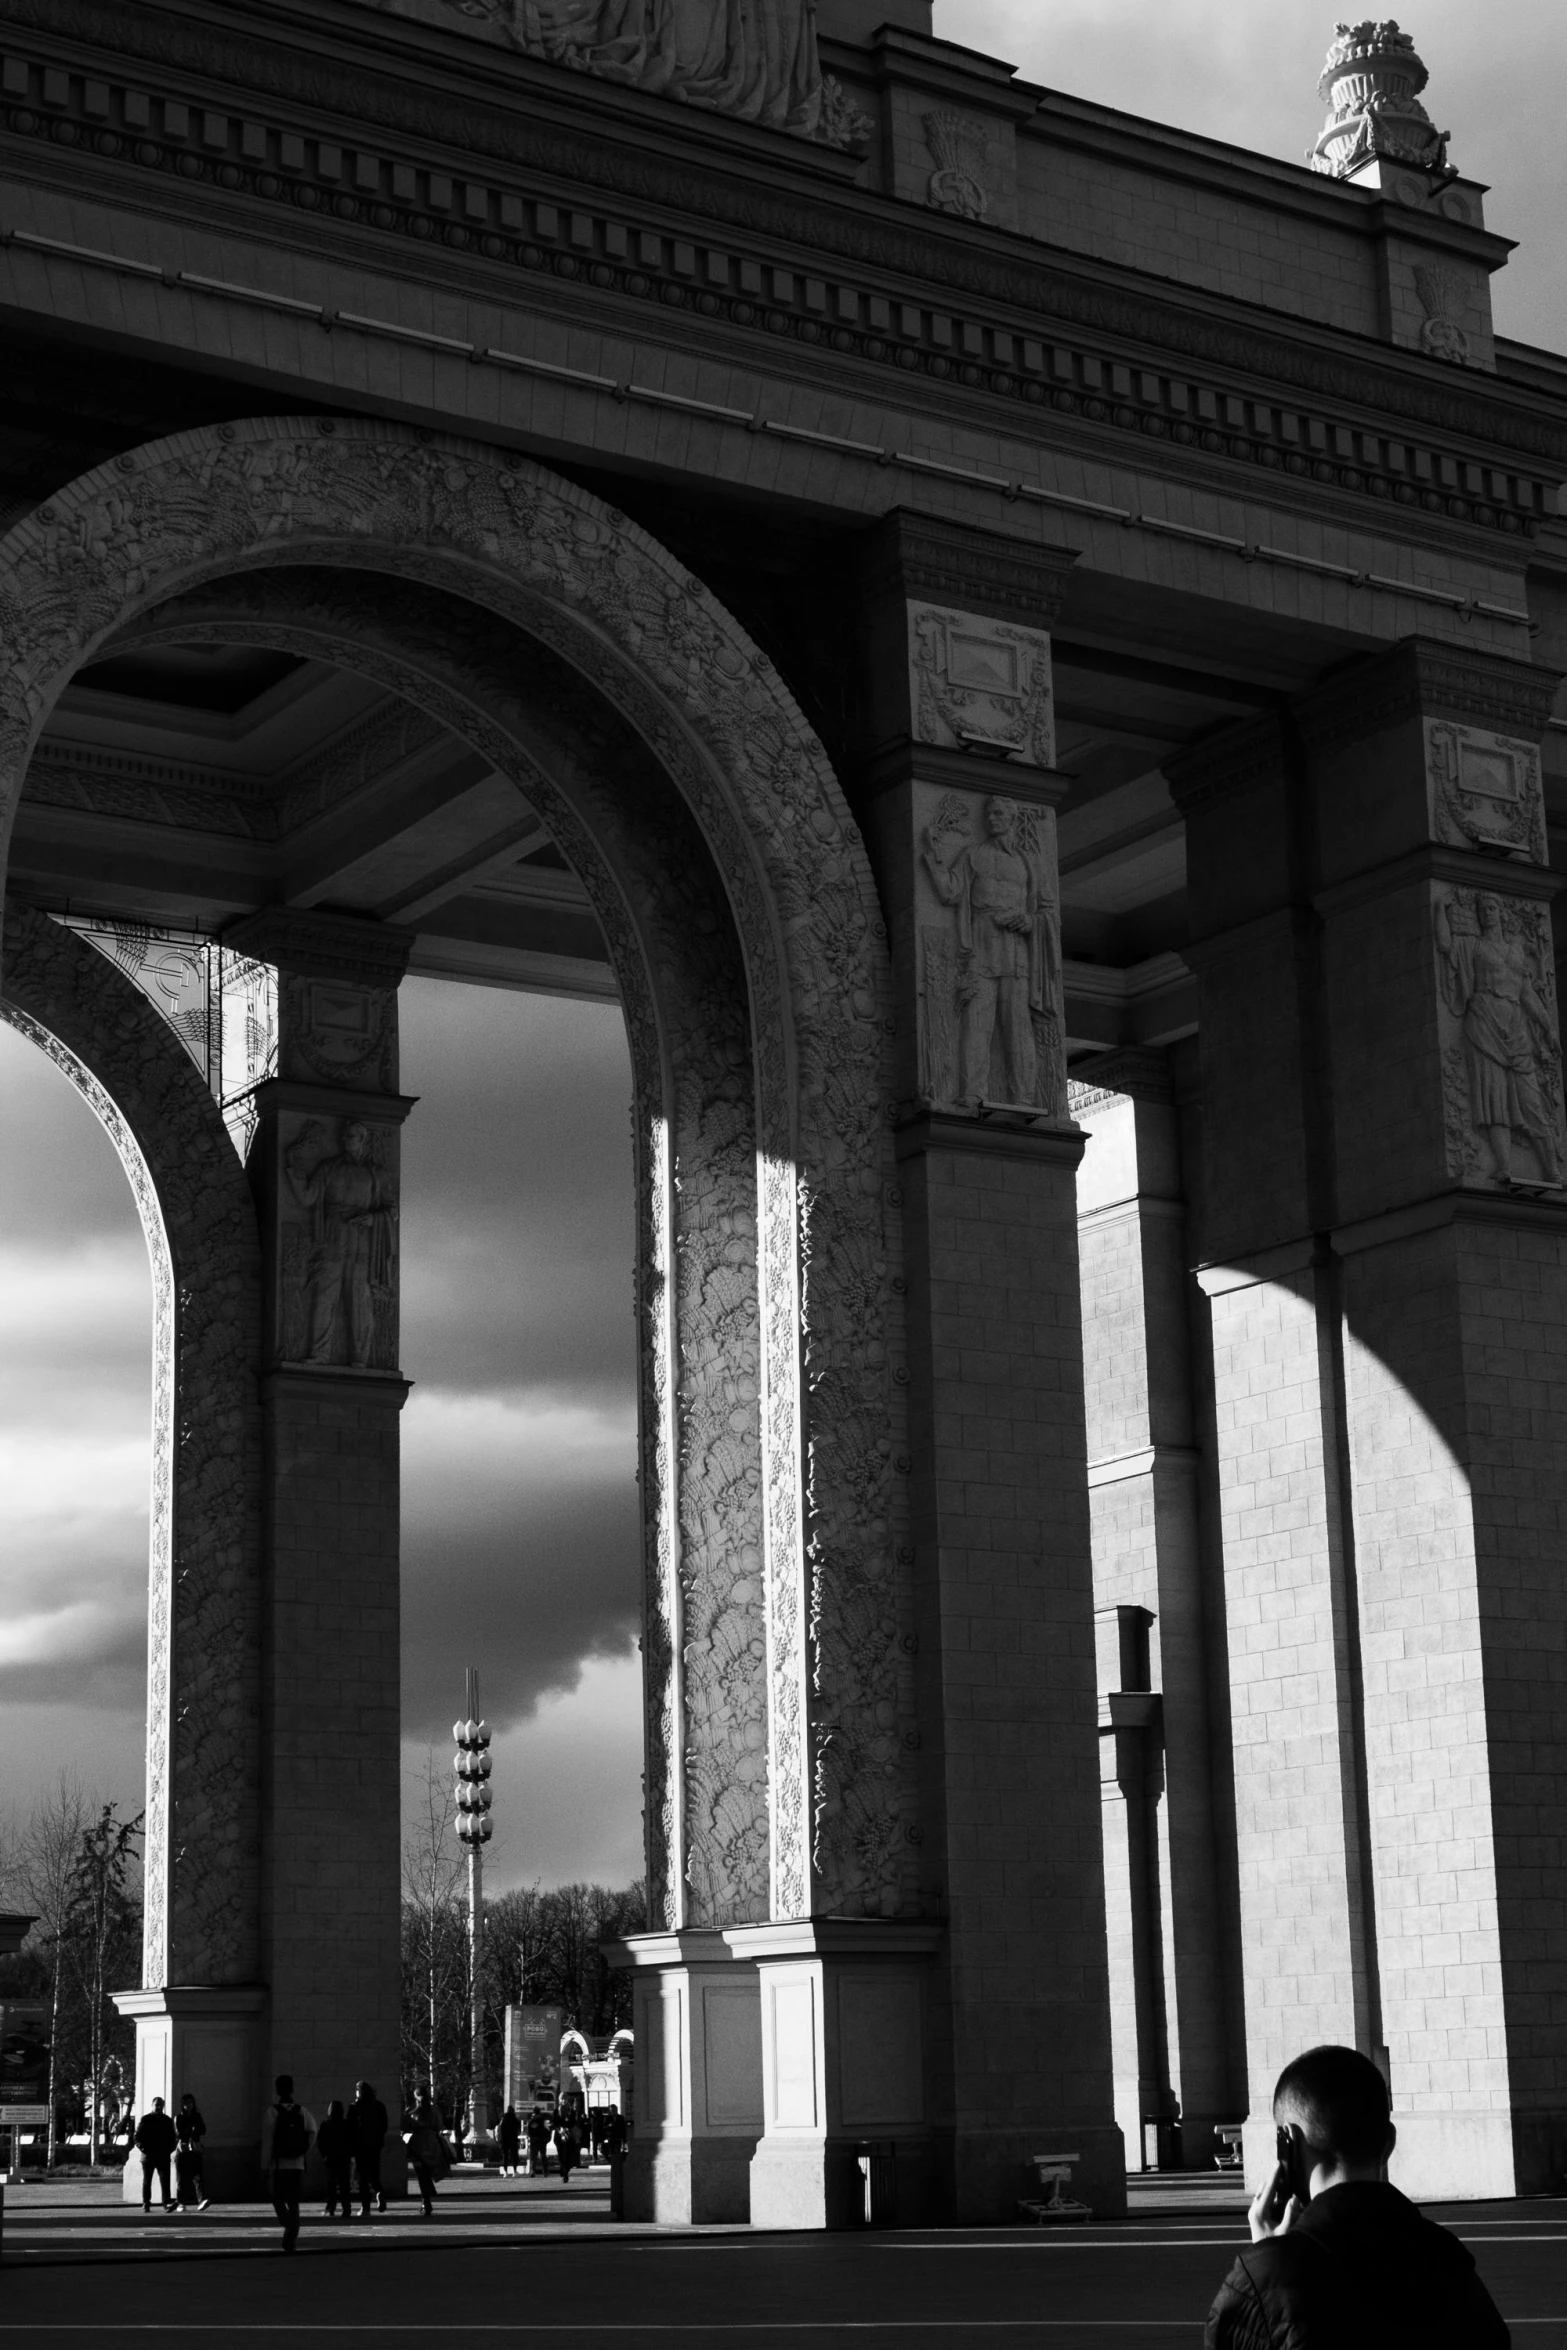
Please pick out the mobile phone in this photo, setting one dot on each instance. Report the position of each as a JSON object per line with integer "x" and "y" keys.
{"x": 1284, "y": 2144}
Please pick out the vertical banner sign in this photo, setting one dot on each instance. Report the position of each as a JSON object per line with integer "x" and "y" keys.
{"x": 533, "y": 2054}
{"x": 24, "y": 2062}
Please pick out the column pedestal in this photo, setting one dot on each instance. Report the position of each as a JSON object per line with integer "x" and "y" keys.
{"x": 205, "y": 2042}
{"x": 697, "y": 2102}
{"x": 844, "y": 2007}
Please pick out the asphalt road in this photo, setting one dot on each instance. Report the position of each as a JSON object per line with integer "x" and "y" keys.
{"x": 536, "y": 2262}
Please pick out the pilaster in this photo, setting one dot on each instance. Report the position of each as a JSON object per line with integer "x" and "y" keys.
{"x": 956, "y": 790}
{"x": 324, "y": 1168}
{"x": 1389, "y": 1387}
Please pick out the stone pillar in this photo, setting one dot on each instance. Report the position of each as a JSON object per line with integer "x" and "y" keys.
{"x": 956, "y": 794}
{"x": 1388, "y": 1266}
{"x": 324, "y": 1166}
{"x": 1150, "y": 1556}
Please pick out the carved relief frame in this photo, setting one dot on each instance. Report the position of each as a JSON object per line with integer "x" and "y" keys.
{"x": 670, "y": 665}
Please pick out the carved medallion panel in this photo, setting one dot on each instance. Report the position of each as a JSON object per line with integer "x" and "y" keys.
{"x": 1500, "y": 1041}
{"x": 1484, "y": 791}
{"x": 980, "y": 685}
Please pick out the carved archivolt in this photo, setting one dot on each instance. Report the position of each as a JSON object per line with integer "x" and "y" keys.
{"x": 203, "y": 1595}
{"x": 654, "y": 644}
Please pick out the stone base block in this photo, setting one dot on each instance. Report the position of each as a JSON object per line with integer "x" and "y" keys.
{"x": 205, "y": 2040}
{"x": 674, "y": 2183}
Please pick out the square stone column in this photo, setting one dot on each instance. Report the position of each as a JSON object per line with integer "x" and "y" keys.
{"x": 956, "y": 793}
{"x": 324, "y": 1167}
{"x": 1390, "y": 1400}
{"x": 698, "y": 2106}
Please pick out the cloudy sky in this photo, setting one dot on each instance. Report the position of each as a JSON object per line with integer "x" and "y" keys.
{"x": 519, "y": 1543}
{"x": 519, "y": 1536}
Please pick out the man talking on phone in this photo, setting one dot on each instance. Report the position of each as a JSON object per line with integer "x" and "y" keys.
{"x": 1340, "y": 2260}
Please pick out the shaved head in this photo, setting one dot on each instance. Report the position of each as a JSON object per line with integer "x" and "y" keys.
{"x": 1339, "y": 2102}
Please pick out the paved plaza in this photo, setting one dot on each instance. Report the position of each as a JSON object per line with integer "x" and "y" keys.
{"x": 531, "y": 2259}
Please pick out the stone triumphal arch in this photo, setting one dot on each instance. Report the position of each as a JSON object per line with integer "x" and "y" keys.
{"x": 1023, "y": 648}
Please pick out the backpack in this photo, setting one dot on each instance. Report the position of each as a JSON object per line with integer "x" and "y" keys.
{"x": 288, "y": 2134}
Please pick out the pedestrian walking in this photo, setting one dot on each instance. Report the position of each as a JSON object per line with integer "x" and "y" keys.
{"x": 428, "y": 2152}
{"x": 568, "y": 2146}
{"x": 368, "y": 2124}
{"x": 538, "y": 2143}
{"x": 287, "y": 2129}
{"x": 189, "y": 2130}
{"x": 510, "y": 2136}
{"x": 335, "y": 2145}
{"x": 155, "y": 2140}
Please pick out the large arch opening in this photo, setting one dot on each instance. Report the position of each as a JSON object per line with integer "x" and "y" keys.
{"x": 578, "y": 702}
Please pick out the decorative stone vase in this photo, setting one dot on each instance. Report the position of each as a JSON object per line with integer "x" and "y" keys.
{"x": 1371, "y": 82}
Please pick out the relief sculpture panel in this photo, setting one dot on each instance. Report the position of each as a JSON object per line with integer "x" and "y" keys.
{"x": 1501, "y": 1045}
{"x": 338, "y": 1242}
{"x": 334, "y": 1033}
{"x": 989, "y": 934}
{"x": 981, "y": 685}
{"x": 1484, "y": 791}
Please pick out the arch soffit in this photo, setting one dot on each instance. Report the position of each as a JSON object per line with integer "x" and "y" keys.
{"x": 204, "y": 1547}
{"x": 539, "y": 550}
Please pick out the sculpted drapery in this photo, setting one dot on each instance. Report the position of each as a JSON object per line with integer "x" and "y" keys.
{"x": 752, "y": 58}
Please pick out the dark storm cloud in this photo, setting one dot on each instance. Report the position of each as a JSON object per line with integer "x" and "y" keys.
{"x": 61, "y": 1185}
{"x": 520, "y": 1544}
{"x": 517, "y": 1211}
{"x": 75, "y": 1342}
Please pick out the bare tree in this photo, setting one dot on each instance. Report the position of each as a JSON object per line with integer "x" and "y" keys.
{"x": 435, "y": 1948}
{"x": 46, "y": 1856}
{"x": 102, "y": 1918}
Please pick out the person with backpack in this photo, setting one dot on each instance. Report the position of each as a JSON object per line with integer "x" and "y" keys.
{"x": 1340, "y": 2260}
{"x": 335, "y": 2145}
{"x": 155, "y": 2140}
{"x": 368, "y": 2123}
{"x": 190, "y": 2130}
{"x": 286, "y": 2133}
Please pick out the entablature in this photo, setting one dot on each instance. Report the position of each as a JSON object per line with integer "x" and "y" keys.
{"x": 537, "y": 201}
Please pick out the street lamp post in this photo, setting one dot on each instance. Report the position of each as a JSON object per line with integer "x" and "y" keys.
{"x": 475, "y": 1828}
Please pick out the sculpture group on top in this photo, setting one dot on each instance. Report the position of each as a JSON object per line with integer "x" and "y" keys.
{"x": 755, "y": 59}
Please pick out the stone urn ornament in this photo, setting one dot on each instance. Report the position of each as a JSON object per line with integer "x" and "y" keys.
{"x": 1371, "y": 83}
